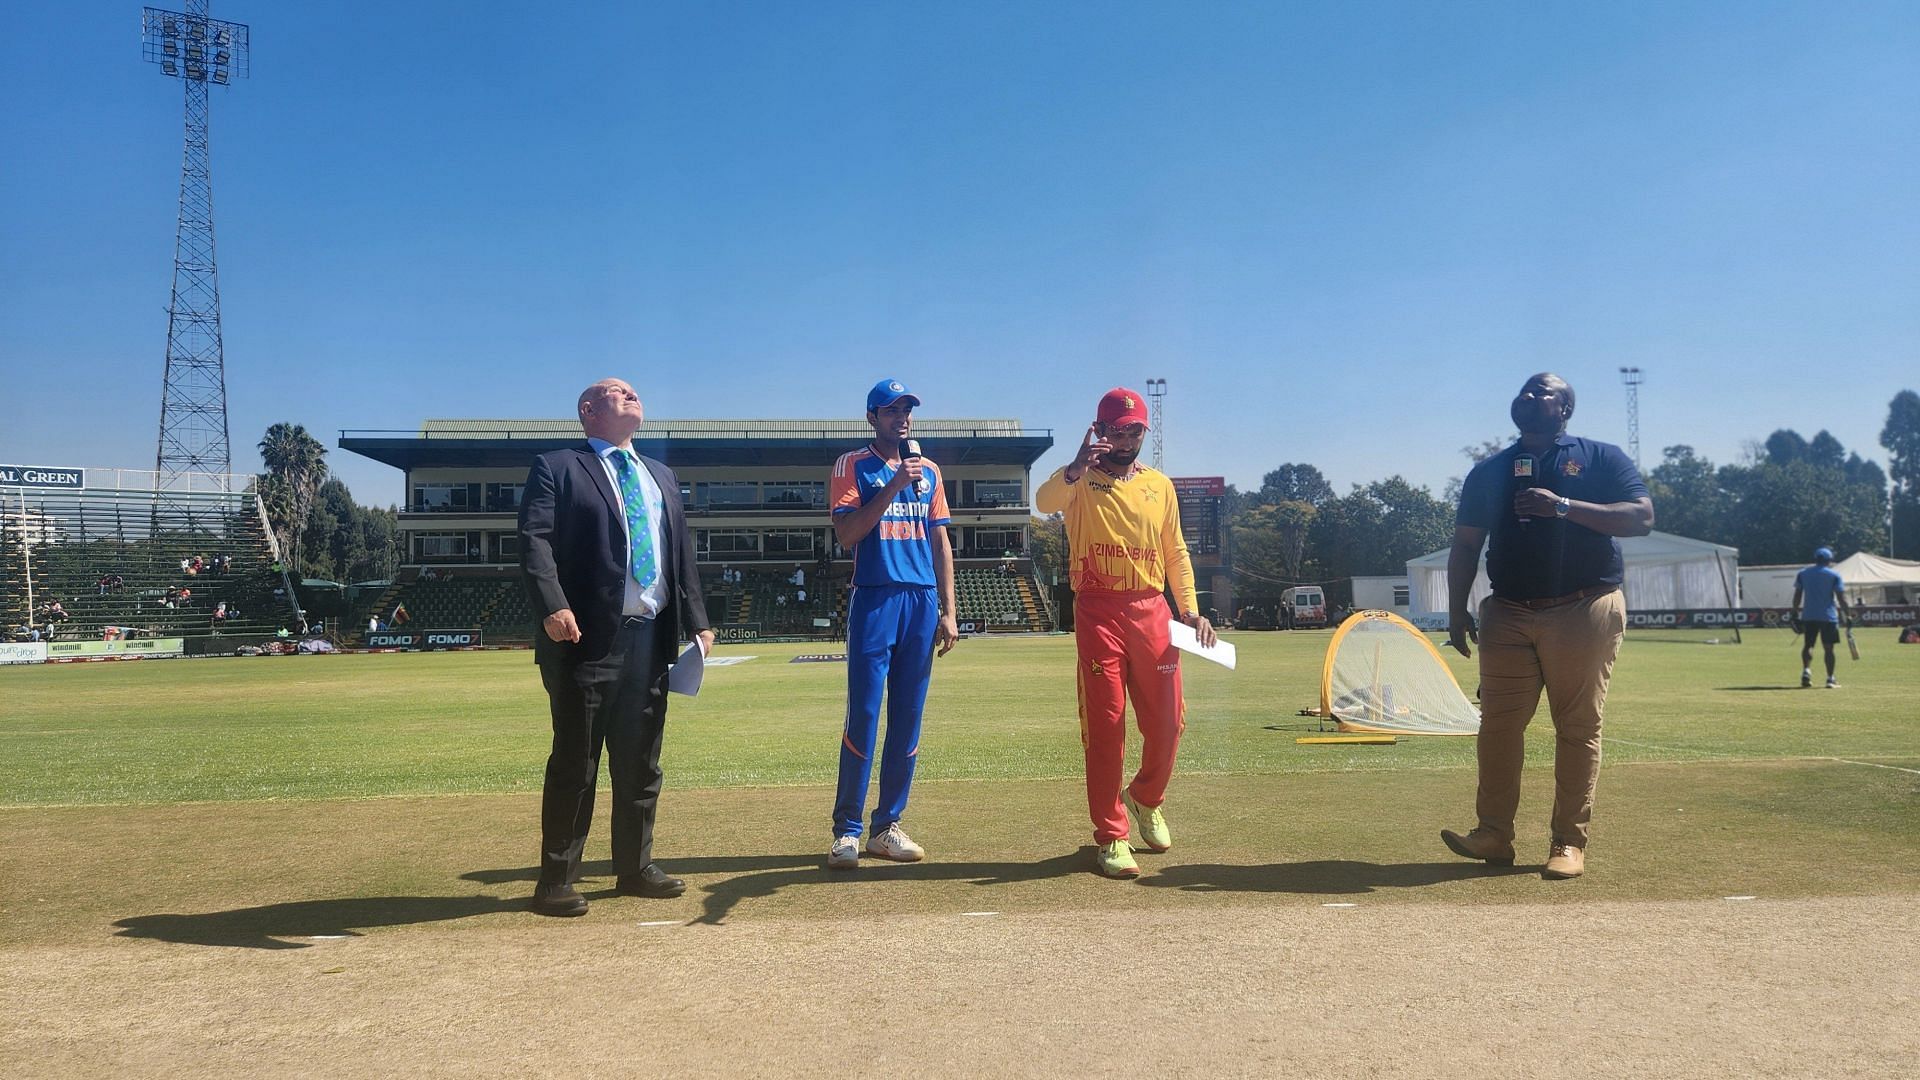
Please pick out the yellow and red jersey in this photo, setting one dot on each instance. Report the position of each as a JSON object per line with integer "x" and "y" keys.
{"x": 1122, "y": 535}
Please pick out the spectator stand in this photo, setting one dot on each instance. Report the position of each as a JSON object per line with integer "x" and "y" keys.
{"x": 113, "y": 559}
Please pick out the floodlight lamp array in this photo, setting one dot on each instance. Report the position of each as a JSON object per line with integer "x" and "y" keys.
{"x": 194, "y": 47}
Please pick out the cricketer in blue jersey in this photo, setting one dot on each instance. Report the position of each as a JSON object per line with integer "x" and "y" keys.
{"x": 890, "y": 510}
{"x": 1819, "y": 599}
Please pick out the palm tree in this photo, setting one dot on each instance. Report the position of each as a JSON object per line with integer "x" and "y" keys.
{"x": 297, "y": 462}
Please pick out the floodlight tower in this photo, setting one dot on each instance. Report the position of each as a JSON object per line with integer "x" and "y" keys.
{"x": 1157, "y": 391}
{"x": 197, "y": 50}
{"x": 1632, "y": 378}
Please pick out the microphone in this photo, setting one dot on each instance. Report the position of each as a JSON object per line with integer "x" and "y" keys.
{"x": 910, "y": 451}
{"x": 1524, "y": 466}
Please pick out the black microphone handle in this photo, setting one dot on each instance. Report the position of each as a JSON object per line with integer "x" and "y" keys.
{"x": 910, "y": 451}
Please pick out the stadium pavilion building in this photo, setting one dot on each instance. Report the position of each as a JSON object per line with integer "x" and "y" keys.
{"x": 756, "y": 497}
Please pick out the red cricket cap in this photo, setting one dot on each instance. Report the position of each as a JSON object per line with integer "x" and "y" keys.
{"x": 1122, "y": 406}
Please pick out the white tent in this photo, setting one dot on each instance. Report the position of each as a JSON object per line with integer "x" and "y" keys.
{"x": 1871, "y": 579}
{"x": 1874, "y": 579}
{"x": 1664, "y": 572}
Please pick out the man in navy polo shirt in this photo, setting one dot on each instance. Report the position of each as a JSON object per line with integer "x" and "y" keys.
{"x": 1552, "y": 505}
{"x": 1819, "y": 598}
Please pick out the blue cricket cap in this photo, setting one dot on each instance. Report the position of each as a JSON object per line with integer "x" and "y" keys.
{"x": 1824, "y": 554}
{"x": 886, "y": 392}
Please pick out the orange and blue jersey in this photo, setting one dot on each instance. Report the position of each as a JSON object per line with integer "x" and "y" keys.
{"x": 899, "y": 550}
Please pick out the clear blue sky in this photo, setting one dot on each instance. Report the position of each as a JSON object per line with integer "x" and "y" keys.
{"x": 1343, "y": 233}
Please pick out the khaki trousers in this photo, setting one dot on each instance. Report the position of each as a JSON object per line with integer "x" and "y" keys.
{"x": 1569, "y": 650}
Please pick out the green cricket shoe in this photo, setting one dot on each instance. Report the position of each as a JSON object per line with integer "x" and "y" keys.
{"x": 1115, "y": 858}
{"x": 1149, "y": 825}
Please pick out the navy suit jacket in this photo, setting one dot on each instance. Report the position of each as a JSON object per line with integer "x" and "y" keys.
{"x": 573, "y": 552}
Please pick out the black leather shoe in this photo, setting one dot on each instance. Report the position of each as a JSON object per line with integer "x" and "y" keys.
{"x": 652, "y": 882}
{"x": 560, "y": 900}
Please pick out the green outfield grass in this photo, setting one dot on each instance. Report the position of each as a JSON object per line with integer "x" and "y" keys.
{"x": 1000, "y": 709}
{"x": 249, "y": 801}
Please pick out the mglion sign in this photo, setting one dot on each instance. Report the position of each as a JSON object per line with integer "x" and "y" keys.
{"x": 42, "y": 476}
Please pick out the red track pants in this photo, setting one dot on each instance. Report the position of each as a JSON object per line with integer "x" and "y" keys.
{"x": 1123, "y": 647}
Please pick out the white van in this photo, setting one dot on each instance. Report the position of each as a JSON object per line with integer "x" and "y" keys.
{"x": 1303, "y": 607}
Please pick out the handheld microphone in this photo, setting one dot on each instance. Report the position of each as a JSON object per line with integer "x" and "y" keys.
{"x": 910, "y": 451}
{"x": 1524, "y": 466}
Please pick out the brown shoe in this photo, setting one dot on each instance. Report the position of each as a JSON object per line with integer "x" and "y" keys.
{"x": 1564, "y": 861}
{"x": 1483, "y": 844}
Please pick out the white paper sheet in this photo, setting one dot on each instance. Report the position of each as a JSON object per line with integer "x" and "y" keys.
{"x": 684, "y": 676}
{"x": 1186, "y": 640}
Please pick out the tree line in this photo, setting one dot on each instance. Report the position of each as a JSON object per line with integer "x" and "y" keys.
{"x": 322, "y": 531}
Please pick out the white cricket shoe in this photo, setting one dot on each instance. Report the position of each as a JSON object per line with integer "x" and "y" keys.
{"x": 844, "y": 854}
{"x": 894, "y": 843}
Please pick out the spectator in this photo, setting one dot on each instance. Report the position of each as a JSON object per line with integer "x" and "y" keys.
{"x": 220, "y": 612}
{"x": 186, "y": 565}
{"x": 185, "y": 597}
{"x": 373, "y": 624}
{"x": 800, "y": 595}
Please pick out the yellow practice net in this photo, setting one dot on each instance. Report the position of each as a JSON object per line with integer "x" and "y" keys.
{"x": 1383, "y": 674}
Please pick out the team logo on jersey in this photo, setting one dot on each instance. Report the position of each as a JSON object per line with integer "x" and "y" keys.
{"x": 1571, "y": 468}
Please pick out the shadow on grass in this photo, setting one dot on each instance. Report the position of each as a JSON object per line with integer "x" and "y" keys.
{"x": 723, "y": 896}
{"x": 717, "y": 864}
{"x": 269, "y": 926}
{"x": 263, "y": 927}
{"x": 1323, "y": 877}
{"x": 1760, "y": 688}
{"x": 750, "y": 877}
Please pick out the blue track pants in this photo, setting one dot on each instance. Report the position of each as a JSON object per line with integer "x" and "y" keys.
{"x": 890, "y": 630}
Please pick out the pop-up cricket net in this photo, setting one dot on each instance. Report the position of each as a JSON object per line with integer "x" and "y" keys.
{"x": 1383, "y": 675}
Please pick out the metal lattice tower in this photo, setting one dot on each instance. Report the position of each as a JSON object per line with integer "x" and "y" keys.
{"x": 1157, "y": 392}
{"x": 1632, "y": 378}
{"x": 197, "y": 50}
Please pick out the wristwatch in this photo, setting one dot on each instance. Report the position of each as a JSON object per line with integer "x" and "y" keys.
{"x": 1560, "y": 508}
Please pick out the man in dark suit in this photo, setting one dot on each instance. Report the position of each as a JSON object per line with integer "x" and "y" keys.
{"x": 609, "y": 565}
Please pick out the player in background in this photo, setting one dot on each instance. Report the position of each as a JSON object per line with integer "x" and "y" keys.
{"x": 1125, "y": 548}
{"x": 890, "y": 510}
{"x": 1819, "y": 599}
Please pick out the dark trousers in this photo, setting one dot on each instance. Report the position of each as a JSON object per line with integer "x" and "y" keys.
{"x": 618, "y": 701}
